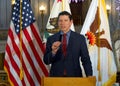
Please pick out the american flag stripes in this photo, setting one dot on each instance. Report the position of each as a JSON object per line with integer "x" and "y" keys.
{"x": 33, "y": 67}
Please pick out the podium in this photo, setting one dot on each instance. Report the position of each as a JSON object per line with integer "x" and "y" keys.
{"x": 68, "y": 81}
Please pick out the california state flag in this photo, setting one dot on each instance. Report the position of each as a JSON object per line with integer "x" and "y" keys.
{"x": 97, "y": 31}
{"x": 58, "y": 6}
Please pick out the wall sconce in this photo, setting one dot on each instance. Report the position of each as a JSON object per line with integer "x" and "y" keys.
{"x": 108, "y": 8}
{"x": 42, "y": 10}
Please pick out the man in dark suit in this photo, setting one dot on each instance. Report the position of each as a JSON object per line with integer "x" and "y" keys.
{"x": 64, "y": 54}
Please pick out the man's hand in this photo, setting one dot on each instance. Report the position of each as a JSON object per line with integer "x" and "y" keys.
{"x": 55, "y": 46}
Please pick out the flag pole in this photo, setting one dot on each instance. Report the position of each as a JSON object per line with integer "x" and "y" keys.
{"x": 21, "y": 69}
{"x": 99, "y": 66}
{"x": 63, "y": 8}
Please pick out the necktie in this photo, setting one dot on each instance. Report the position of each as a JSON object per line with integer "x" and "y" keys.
{"x": 64, "y": 49}
{"x": 64, "y": 44}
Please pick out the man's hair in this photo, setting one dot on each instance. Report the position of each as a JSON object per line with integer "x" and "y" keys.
{"x": 65, "y": 13}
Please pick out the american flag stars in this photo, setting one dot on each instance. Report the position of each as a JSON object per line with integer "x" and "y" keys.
{"x": 27, "y": 16}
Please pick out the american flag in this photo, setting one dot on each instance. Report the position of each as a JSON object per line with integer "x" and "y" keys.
{"x": 33, "y": 68}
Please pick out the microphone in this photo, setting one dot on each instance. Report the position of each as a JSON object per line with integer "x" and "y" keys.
{"x": 60, "y": 38}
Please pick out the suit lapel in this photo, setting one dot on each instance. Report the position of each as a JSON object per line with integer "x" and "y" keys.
{"x": 58, "y": 37}
{"x": 69, "y": 46}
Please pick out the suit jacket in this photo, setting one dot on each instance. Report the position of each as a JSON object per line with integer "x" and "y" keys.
{"x": 76, "y": 50}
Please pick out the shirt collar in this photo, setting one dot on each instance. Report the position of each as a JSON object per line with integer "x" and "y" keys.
{"x": 68, "y": 33}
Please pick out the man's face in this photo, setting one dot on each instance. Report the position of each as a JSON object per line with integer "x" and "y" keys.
{"x": 64, "y": 23}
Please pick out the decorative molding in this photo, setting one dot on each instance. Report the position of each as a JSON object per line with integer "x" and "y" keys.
{"x": 4, "y": 79}
{"x": 116, "y": 35}
{"x": 2, "y": 46}
{"x": 3, "y": 34}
